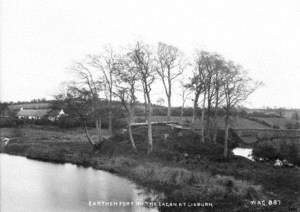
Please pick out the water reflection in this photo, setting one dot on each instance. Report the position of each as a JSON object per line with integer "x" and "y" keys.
{"x": 28, "y": 185}
{"x": 244, "y": 152}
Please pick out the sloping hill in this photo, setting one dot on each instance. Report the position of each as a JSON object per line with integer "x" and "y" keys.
{"x": 34, "y": 106}
{"x": 281, "y": 122}
{"x": 236, "y": 122}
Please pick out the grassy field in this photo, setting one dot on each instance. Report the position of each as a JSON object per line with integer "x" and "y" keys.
{"x": 39, "y": 134}
{"x": 180, "y": 167}
{"x": 236, "y": 122}
{"x": 280, "y": 122}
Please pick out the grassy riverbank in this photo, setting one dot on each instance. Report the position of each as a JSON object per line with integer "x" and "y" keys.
{"x": 180, "y": 167}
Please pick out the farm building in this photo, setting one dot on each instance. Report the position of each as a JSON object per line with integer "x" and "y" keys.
{"x": 32, "y": 113}
{"x": 39, "y": 114}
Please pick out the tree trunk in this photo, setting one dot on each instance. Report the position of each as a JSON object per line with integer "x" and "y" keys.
{"x": 169, "y": 95}
{"x": 130, "y": 132}
{"x": 169, "y": 108}
{"x": 110, "y": 122}
{"x": 208, "y": 115}
{"x": 226, "y": 136}
{"x": 88, "y": 135}
{"x": 215, "y": 123}
{"x": 150, "y": 142}
{"x": 181, "y": 114}
{"x": 145, "y": 104}
{"x": 99, "y": 130}
{"x": 110, "y": 113}
{"x": 215, "y": 134}
{"x": 217, "y": 88}
{"x": 202, "y": 119}
{"x": 195, "y": 108}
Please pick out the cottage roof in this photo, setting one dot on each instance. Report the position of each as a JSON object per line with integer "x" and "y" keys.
{"x": 31, "y": 112}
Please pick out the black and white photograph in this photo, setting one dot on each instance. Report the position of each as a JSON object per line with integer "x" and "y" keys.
{"x": 149, "y": 106}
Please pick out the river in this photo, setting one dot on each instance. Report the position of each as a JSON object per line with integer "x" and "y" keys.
{"x": 244, "y": 152}
{"x": 35, "y": 186}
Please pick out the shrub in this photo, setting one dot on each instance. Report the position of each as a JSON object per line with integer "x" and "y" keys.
{"x": 8, "y": 122}
{"x": 123, "y": 162}
{"x": 43, "y": 121}
{"x": 16, "y": 148}
{"x": 140, "y": 119}
{"x": 183, "y": 185}
{"x": 292, "y": 125}
{"x": 47, "y": 153}
{"x": 289, "y": 152}
{"x": 159, "y": 111}
{"x": 174, "y": 176}
{"x": 207, "y": 185}
{"x": 118, "y": 123}
{"x": 68, "y": 122}
{"x": 239, "y": 187}
{"x": 283, "y": 149}
{"x": 265, "y": 150}
{"x": 164, "y": 175}
{"x": 190, "y": 143}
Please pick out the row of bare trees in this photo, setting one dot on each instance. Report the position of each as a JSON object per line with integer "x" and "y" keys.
{"x": 220, "y": 84}
{"x": 215, "y": 83}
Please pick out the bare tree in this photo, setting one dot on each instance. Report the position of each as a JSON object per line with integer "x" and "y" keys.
{"x": 105, "y": 63}
{"x": 237, "y": 87}
{"x": 185, "y": 93}
{"x": 196, "y": 85}
{"x": 215, "y": 95}
{"x": 127, "y": 79}
{"x": 206, "y": 83}
{"x": 280, "y": 111}
{"x": 160, "y": 101}
{"x": 295, "y": 116}
{"x": 212, "y": 73}
{"x": 85, "y": 96}
{"x": 145, "y": 65}
{"x": 170, "y": 66}
{"x": 201, "y": 84}
{"x": 218, "y": 92}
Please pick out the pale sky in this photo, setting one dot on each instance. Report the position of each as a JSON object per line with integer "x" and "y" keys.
{"x": 40, "y": 39}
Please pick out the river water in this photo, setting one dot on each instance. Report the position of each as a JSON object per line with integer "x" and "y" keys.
{"x": 34, "y": 186}
{"x": 244, "y": 152}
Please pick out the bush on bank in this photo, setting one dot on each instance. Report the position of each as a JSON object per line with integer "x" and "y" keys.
{"x": 8, "y": 122}
{"x": 182, "y": 185}
{"x": 282, "y": 149}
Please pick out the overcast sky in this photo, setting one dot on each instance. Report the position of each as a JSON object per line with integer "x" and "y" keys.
{"x": 40, "y": 39}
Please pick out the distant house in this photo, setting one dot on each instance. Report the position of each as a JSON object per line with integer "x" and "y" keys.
{"x": 32, "y": 113}
{"x": 36, "y": 111}
{"x": 36, "y": 114}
